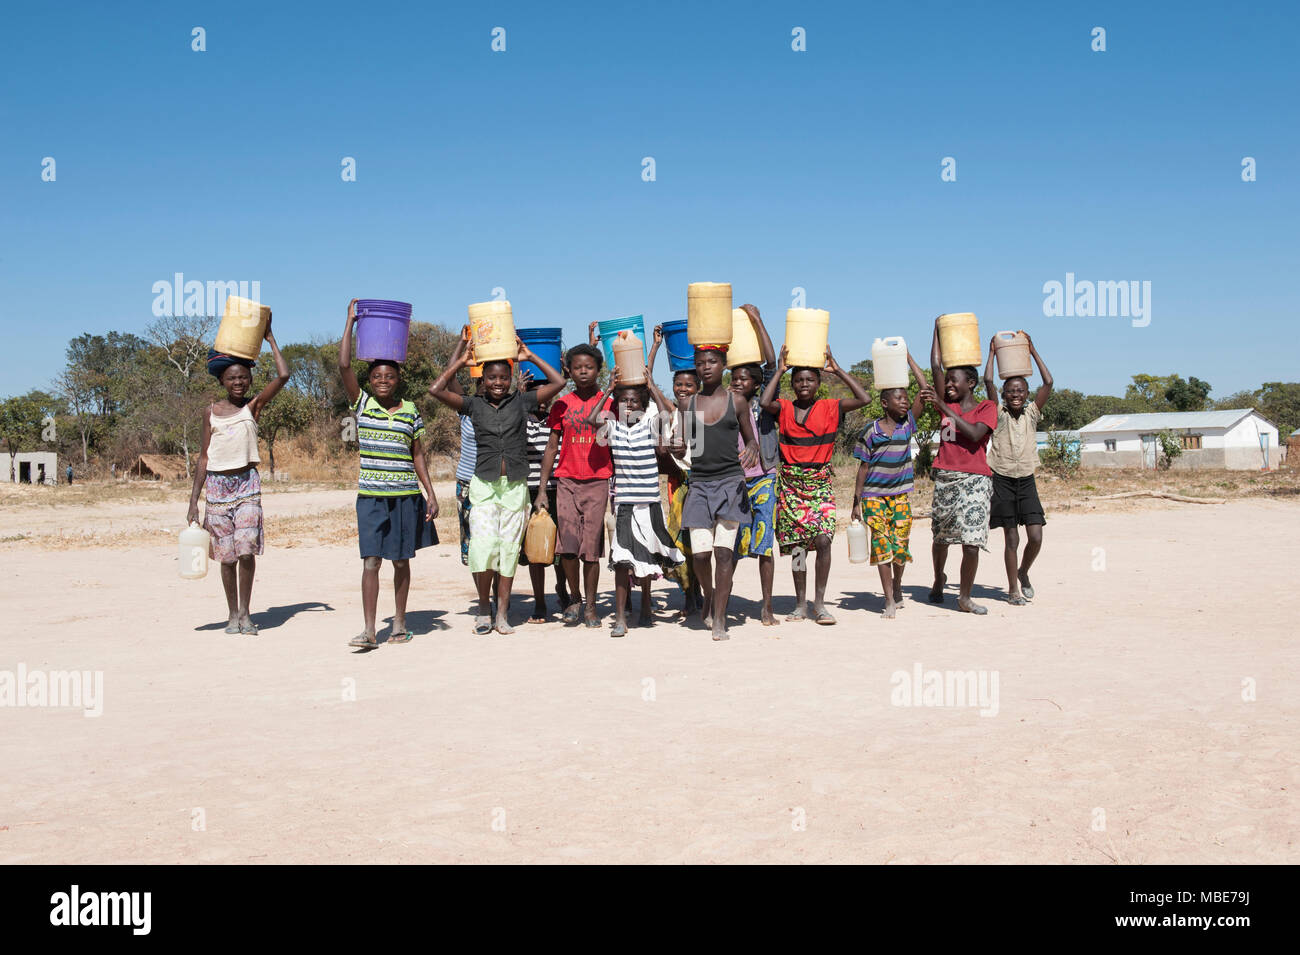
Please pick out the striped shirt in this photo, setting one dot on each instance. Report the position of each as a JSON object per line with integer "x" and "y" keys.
{"x": 888, "y": 456}
{"x": 539, "y": 436}
{"x": 385, "y": 437}
{"x": 468, "y": 450}
{"x": 636, "y": 469}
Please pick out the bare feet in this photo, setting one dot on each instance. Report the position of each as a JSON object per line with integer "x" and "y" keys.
{"x": 898, "y": 598}
{"x": 232, "y": 626}
{"x": 936, "y": 592}
{"x": 619, "y": 629}
{"x": 590, "y": 617}
{"x": 769, "y": 618}
{"x": 503, "y": 625}
{"x": 891, "y": 607}
{"x": 720, "y": 630}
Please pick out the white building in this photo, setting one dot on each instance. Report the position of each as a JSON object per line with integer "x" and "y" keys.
{"x": 1240, "y": 440}
{"x": 30, "y": 467}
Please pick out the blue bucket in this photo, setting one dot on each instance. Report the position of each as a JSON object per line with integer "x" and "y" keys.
{"x": 681, "y": 353}
{"x": 546, "y": 343}
{"x": 609, "y": 329}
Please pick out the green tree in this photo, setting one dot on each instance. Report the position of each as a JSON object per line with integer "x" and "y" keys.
{"x": 1238, "y": 399}
{"x": 1189, "y": 395}
{"x": 1279, "y": 402}
{"x": 1064, "y": 411}
{"x": 290, "y": 412}
{"x": 20, "y": 425}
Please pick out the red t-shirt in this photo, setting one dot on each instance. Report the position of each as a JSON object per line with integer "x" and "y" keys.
{"x": 959, "y": 453}
{"x": 582, "y": 457}
{"x": 813, "y": 441}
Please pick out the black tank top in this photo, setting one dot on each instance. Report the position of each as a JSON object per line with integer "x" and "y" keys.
{"x": 714, "y": 453}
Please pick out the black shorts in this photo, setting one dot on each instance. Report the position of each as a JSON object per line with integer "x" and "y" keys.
{"x": 1015, "y": 501}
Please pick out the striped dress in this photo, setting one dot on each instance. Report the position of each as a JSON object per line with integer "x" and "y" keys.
{"x": 385, "y": 437}
{"x": 641, "y": 540}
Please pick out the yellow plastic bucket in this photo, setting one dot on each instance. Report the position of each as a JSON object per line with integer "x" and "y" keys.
{"x": 806, "y": 332}
{"x": 492, "y": 331}
{"x": 745, "y": 348}
{"x": 243, "y": 327}
{"x": 708, "y": 313}
{"x": 959, "y": 339}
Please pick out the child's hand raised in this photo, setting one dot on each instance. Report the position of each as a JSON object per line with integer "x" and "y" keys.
{"x": 591, "y": 334}
{"x": 658, "y": 334}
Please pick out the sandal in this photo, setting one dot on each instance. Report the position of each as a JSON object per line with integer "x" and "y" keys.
{"x": 619, "y": 630}
{"x": 400, "y": 636}
{"x": 249, "y": 628}
{"x": 824, "y": 619}
{"x": 482, "y": 626}
{"x": 1017, "y": 600}
{"x": 364, "y": 641}
{"x": 572, "y": 613}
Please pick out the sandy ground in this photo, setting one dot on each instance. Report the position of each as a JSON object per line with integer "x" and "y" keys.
{"x": 1121, "y": 732}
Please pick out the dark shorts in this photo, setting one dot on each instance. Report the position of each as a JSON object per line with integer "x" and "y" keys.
{"x": 580, "y": 520}
{"x": 393, "y": 528}
{"x": 551, "y": 508}
{"x": 708, "y": 502}
{"x": 1015, "y": 501}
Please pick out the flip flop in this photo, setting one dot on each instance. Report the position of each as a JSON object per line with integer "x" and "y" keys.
{"x": 1027, "y": 589}
{"x": 824, "y": 619}
{"x": 619, "y": 630}
{"x": 232, "y": 628}
{"x": 250, "y": 629}
{"x": 976, "y": 609}
{"x": 482, "y": 626}
{"x": 572, "y": 613}
{"x": 363, "y": 641}
{"x": 1017, "y": 600}
{"x": 400, "y": 636}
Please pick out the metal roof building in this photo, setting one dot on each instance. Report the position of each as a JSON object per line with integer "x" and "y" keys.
{"x": 1237, "y": 439}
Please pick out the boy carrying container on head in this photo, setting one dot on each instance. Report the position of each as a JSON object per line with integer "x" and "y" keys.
{"x": 1013, "y": 458}
{"x": 583, "y": 473}
{"x": 884, "y": 482}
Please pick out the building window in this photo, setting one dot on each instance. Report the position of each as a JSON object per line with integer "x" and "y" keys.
{"x": 1110, "y": 444}
{"x": 1191, "y": 442}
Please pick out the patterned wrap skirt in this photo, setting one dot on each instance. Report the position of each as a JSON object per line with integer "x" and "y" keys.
{"x": 805, "y": 508}
{"x": 960, "y": 514}
{"x": 233, "y": 514}
{"x": 684, "y": 572}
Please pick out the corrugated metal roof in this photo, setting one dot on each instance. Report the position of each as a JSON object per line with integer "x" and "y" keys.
{"x": 1041, "y": 436}
{"x": 1158, "y": 421}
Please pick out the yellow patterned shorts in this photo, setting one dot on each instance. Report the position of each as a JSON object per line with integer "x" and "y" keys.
{"x": 890, "y": 520}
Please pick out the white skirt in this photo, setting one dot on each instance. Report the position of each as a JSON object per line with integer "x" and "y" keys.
{"x": 641, "y": 541}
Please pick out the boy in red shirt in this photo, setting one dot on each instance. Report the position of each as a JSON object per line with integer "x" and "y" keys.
{"x": 582, "y": 478}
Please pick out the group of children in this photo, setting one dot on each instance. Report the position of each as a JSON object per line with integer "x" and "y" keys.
{"x": 748, "y": 474}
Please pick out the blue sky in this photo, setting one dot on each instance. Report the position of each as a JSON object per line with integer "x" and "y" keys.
{"x": 775, "y": 169}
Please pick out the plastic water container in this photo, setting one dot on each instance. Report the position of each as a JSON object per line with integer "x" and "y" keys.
{"x": 681, "y": 353}
{"x": 608, "y": 332}
{"x": 383, "y": 329}
{"x": 806, "y": 332}
{"x": 192, "y": 555}
{"x": 708, "y": 313}
{"x": 1012, "y": 352}
{"x": 889, "y": 363}
{"x": 859, "y": 552}
{"x": 745, "y": 348}
{"x": 629, "y": 358}
{"x": 539, "y": 539}
{"x": 243, "y": 327}
{"x": 492, "y": 331}
{"x": 547, "y": 344}
{"x": 959, "y": 339}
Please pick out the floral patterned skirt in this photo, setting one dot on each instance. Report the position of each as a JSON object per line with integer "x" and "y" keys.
{"x": 805, "y": 507}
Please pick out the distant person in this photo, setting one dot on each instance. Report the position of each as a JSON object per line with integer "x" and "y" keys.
{"x": 805, "y": 507}
{"x": 498, "y": 489}
{"x": 884, "y": 481}
{"x": 963, "y": 483}
{"x": 394, "y": 519}
{"x": 68, "y": 472}
{"x": 1013, "y": 459}
{"x": 539, "y": 436}
{"x": 227, "y": 475}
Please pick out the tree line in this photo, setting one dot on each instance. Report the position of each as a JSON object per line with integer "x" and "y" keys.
{"x": 123, "y": 394}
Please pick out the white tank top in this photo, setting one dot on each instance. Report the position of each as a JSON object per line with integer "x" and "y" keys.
{"x": 233, "y": 444}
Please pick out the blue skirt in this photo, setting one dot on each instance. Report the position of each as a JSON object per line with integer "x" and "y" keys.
{"x": 393, "y": 528}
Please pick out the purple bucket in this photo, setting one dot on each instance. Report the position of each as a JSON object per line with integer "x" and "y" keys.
{"x": 382, "y": 329}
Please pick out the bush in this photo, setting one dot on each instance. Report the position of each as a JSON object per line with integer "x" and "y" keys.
{"x": 1171, "y": 445}
{"x": 1061, "y": 456}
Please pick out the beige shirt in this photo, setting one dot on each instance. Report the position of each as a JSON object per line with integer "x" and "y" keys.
{"x": 1013, "y": 450}
{"x": 233, "y": 444}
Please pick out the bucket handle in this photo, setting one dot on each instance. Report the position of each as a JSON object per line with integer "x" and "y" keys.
{"x": 891, "y": 340}
{"x": 1010, "y": 336}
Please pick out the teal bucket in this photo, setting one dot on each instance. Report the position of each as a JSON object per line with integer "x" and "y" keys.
{"x": 608, "y": 331}
{"x": 681, "y": 353}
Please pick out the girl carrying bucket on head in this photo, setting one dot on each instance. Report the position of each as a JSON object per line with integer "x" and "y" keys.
{"x": 227, "y": 473}
{"x": 498, "y": 491}
{"x": 963, "y": 483}
{"x": 805, "y": 509}
{"x": 394, "y": 519}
